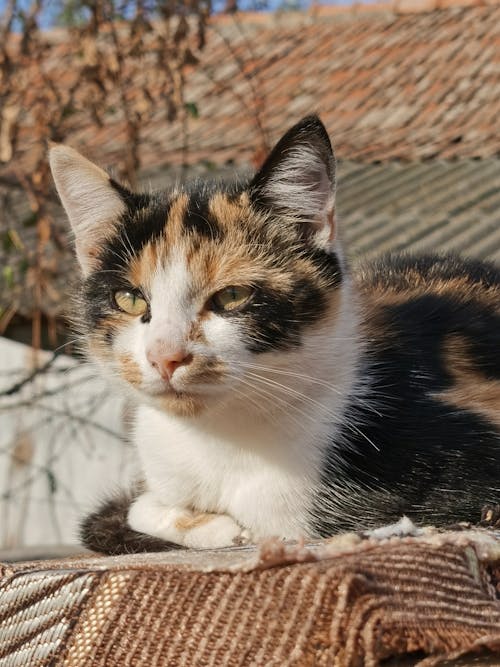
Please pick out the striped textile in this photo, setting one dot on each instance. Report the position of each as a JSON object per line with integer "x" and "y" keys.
{"x": 347, "y": 601}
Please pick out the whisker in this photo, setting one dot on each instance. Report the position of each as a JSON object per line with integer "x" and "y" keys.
{"x": 264, "y": 393}
{"x": 78, "y": 339}
{"x": 125, "y": 237}
{"x": 312, "y": 401}
{"x": 310, "y": 378}
{"x": 247, "y": 397}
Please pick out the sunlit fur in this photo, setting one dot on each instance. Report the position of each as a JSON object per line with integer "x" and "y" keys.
{"x": 325, "y": 401}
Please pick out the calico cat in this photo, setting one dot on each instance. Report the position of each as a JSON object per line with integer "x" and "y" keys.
{"x": 277, "y": 392}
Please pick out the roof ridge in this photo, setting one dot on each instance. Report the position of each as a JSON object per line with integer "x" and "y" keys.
{"x": 353, "y": 10}
{"x": 280, "y": 18}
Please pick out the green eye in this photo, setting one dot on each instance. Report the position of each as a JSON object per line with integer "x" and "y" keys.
{"x": 130, "y": 303}
{"x": 231, "y": 297}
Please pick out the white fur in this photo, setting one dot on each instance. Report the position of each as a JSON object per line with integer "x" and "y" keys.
{"x": 148, "y": 515}
{"x": 254, "y": 458}
{"x": 172, "y": 311}
{"x": 301, "y": 183}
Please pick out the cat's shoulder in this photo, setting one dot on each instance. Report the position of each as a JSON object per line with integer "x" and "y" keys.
{"x": 405, "y": 279}
{"x": 431, "y": 327}
{"x": 432, "y": 311}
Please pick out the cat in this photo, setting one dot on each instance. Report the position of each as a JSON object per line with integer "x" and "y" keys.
{"x": 277, "y": 391}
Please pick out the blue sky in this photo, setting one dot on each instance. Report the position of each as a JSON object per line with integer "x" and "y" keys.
{"x": 52, "y": 6}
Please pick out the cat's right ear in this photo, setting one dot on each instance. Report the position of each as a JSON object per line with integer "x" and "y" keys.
{"x": 91, "y": 202}
{"x": 297, "y": 182}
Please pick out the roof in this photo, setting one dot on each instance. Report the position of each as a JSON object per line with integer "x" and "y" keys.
{"x": 434, "y": 207}
{"x": 407, "y": 80}
{"x": 410, "y": 92}
{"x": 388, "y": 85}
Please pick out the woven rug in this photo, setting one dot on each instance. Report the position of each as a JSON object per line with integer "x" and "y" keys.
{"x": 347, "y": 601}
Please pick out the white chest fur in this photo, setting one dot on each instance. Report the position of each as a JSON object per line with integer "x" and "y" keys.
{"x": 246, "y": 470}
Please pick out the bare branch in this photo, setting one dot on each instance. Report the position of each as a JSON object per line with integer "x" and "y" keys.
{"x": 15, "y": 388}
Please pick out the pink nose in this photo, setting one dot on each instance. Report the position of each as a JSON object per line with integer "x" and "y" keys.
{"x": 167, "y": 362}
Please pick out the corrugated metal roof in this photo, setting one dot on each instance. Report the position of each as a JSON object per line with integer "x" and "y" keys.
{"x": 436, "y": 206}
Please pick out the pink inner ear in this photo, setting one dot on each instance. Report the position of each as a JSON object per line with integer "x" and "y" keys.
{"x": 332, "y": 225}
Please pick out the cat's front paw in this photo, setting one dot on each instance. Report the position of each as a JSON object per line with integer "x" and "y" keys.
{"x": 214, "y": 531}
{"x": 199, "y": 530}
{"x": 245, "y": 537}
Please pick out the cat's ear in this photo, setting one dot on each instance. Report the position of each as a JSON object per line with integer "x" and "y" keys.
{"x": 298, "y": 180}
{"x": 91, "y": 202}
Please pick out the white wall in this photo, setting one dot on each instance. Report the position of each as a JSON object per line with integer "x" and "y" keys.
{"x": 61, "y": 447}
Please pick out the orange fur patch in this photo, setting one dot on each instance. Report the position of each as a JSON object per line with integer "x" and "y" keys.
{"x": 375, "y": 297}
{"x": 141, "y": 268}
{"x": 129, "y": 369}
{"x": 177, "y": 213}
{"x": 194, "y": 521}
{"x": 415, "y": 284}
{"x": 182, "y": 405}
{"x": 226, "y": 211}
{"x": 472, "y": 391}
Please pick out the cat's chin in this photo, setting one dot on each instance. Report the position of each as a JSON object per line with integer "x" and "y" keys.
{"x": 176, "y": 403}
{"x": 182, "y": 405}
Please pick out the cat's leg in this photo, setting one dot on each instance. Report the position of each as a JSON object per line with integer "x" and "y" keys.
{"x": 192, "y": 529}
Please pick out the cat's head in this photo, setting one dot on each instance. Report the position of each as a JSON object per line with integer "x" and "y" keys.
{"x": 186, "y": 294}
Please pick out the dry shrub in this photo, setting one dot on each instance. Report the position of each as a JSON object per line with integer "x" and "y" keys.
{"x": 113, "y": 61}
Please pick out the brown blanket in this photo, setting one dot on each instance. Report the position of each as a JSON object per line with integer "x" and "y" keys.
{"x": 345, "y": 601}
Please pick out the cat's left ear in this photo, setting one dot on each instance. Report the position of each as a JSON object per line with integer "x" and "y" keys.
{"x": 91, "y": 202}
{"x": 297, "y": 181}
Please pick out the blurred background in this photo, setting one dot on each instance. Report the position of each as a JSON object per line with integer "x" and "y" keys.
{"x": 164, "y": 91}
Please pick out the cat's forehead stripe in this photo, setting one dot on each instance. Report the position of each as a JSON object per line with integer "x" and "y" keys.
{"x": 142, "y": 267}
{"x": 176, "y": 216}
{"x": 199, "y": 220}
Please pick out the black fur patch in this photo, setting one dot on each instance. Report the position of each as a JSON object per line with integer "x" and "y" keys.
{"x": 276, "y": 320}
{"x": 106, "y": 530}
{"x": 144, "y": 221}
{"x": 199, "y": 220}
{"x": 403, "y": 449}
{"x": 139, "y": 225}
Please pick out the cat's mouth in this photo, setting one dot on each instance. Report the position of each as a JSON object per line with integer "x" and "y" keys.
{"x": 196, "y": 385}
{"x": 201, "y": 380}
{"x": 186, "y": 401}
{"x": 165, "y": 389}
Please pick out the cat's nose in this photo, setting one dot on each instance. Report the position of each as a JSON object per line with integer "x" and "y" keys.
{"x": 166, "y": 363}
